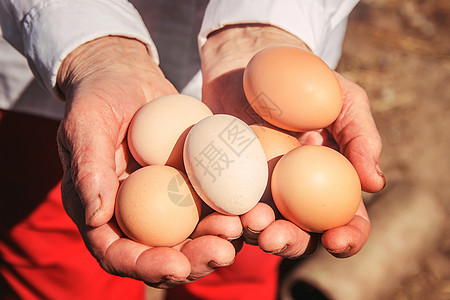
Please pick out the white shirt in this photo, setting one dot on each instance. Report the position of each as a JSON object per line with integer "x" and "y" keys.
{"x": 45, "y": 31}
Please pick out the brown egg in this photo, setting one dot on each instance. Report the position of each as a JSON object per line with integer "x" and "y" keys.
{"x": 156, "y": 206}
{"x": 275, "y": 143}
{"x": 316, "y": 188}
{"x": 158, "y": 130}
{"x": 292, "y": 89}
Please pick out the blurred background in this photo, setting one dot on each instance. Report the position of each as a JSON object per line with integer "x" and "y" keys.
{"x": 399, "y": 51}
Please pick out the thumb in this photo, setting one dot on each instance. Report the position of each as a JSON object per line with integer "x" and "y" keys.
{"x": 357, "y": 135}
{"x": 364, "y": 156}
{"x": 87, "y": 146}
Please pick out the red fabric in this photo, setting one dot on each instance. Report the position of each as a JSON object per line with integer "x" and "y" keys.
{"x": 253, "y": 275}
{"x": 42, "y": 255}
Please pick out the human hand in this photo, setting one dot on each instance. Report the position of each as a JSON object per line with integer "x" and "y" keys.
{"x": 224, "y": 57}
{"x": 104, "y": 82}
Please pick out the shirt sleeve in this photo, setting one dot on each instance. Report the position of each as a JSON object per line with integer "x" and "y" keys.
{"x": 321, "y": 24}
{"x": 46, "y": 31}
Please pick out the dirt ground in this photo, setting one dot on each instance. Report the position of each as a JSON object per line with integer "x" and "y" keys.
{"x": 399, "y": 51}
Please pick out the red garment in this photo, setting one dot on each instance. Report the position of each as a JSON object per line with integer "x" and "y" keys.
{"x": 253, "y": 275}
{"x": 42, "y": 253}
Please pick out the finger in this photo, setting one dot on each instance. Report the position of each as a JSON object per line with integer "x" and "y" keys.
{"x": 89, "y": 150}
{"x": 118, "y": 255}
{"x": 318, "y": 137}
{"x": 207, "y": 253}
{"x": 71, "y": 201}
{"x": 226, "y": 226}
{"x": 125, "y": 162}
{"x": 285, "y": 239}
{"x": 348, "y": 240}
{"x": 356, "y": 133}
{"x": 255, "y": 221}
{"x": 159, "y": 266}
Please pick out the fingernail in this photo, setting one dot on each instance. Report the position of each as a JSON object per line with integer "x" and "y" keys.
{"x": 277, "y": 251}
{"x": 193, "y": 277}
{"x": 231, "y": 238}
{"x": 382, "y": 175}
{"x": 171, "y": 278}
{"x": 252, "y": 236}
{"x": 168, "y": 278}
{"x": 214, "y": 264}
{"x": 340, "y": 252}
{"x": 92, "y": 208}
{"x": 253, "y": 231}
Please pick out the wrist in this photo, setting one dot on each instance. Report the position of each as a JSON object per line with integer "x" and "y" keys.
{"x": 95, "y": 59}
{"x": 232, "y": 46}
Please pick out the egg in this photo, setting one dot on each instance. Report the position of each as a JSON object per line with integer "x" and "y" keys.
{"x": 156, "y": 206}
{"x": 292, "y": 89}
{"x": 316, "y": 188}
{"x": 226, "y": 164}
{"x": 158, "y": 129}
{"x": 275, "y": 143}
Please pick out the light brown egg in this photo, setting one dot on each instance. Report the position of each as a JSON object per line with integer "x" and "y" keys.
{"x": 292, "y": 89}
{"x": 156, "y": 206}
{"x": 275, "y": 143}
{"x": 316, "y": 188}
{"x": 159, "y": 128}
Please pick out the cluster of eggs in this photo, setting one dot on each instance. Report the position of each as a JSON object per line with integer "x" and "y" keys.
{"x": 189, "y": 155}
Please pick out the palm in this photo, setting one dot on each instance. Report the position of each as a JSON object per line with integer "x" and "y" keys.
{"x": 95, "y": 157}
{"x": 354, "y": 133}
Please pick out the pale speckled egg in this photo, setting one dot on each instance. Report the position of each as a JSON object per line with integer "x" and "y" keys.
{"x": 275, "y": 143}
{"x": 156, "y": 206}
{"x": 316, "y": 188}
{"x": 292, "y": 89}
{"x": 158, "y": 129}
{"x": 226, "y": 164}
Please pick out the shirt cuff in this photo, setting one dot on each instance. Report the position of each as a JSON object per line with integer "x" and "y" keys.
{"x": 53, "y": 29}
{"x": 320, "y": 24}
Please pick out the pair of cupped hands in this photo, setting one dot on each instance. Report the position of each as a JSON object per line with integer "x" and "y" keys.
{"x": 104, "y": 83}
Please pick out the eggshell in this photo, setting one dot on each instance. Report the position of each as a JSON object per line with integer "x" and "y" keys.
{"x": 292, "y": 89}
{"x": 226, "y": 164}
{"x": 275, "y": 143}
{"x": 156, "y": 206}
{"x": 316, "y": 188}
{"x": 157, "y": 132}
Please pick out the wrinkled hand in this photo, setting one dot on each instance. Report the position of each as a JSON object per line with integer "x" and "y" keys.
{"x": 104, "y": 82}
{"x": 224, "y": 57}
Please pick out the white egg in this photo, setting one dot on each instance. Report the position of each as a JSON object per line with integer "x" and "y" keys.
{"x": 226, "y": 164}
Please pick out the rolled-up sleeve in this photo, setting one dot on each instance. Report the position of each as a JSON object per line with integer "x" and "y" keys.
{"x": 320, "y": 24}
{"x": 46, "y": 31}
